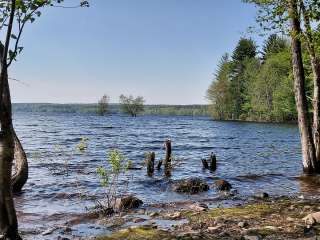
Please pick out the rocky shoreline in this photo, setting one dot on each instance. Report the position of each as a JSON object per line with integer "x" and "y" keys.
{"x": 261, "y": 218}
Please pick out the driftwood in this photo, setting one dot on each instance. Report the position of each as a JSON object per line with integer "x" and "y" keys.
{"x": 150, "y": 163}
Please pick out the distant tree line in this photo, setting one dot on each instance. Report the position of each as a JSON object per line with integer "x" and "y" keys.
{"x": 112, "y": 108}
{"x": 254, "y": 86}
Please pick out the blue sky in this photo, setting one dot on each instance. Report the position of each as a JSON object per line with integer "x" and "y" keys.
{"x": 164, "y": 50}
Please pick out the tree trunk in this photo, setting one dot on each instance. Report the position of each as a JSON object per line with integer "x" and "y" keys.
{"x": 310, "y": 164}
{"x": 21, "y": 174}
{"x": 315, "y": 65}
{"x": 8, "y": 218}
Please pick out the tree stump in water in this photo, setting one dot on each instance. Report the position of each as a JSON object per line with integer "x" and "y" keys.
{"x": 213, "y": 162}
{"x": 150, "y": 163}
{"x": 212, "y": 165}
{"x": 205, "y": 163}
{"x": 167, "y": 160}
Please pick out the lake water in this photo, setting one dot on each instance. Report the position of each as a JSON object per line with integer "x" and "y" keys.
{"x": 253, "y": 157}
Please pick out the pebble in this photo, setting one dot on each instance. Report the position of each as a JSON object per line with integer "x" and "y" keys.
{"x": 138, "y": 220}
{"x": 211, "y": 229}
{"x": 154, "y": 214}
{"x": 199, "y": 207}
{"x": 243, "y": 224}
{"x": 249, "y": 237}
{"x": 175, "y": 215}
{"x": 290, "y": 219}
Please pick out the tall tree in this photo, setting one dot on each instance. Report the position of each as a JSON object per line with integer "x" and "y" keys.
{"x": 20, "y": 12}
{"x": 274, "y": 44}
{"x": 311, "y": 11}
{"x": 246, "y": 49}
{"x": 218, "y": 93}
{"x": 276, "y": 14}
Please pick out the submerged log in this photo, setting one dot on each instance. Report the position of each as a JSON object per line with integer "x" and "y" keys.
{"x": 167, "y": 160}
{"x": 150, "y": 163}
{"x": 20, "y": 176}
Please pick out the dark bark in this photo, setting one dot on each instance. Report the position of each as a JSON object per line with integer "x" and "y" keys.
{"x": 21, "y": 174}
{"x": 213, "y": 162}
{"x": 205, "y": 163}
{"x": 150, "y": 163}
{"x": 310, "y": 164}
{"x": 315, "y": 65}
{"x": 167, "y": 160}
{"x": 8, "y": 218}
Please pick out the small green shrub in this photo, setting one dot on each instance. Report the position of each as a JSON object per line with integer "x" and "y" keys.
{"x": 117, "y": 164}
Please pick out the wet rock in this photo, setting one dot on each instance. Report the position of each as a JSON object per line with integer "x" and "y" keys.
{"x": 290, "y": 219}
{"x": 192, "y": 186}
{"x": 222, "y": 185}
{"x": 243, "y": 224}
{"x": 199, "y": 207}
{"x": 63, "y": 238}
{"x": 312, "y": 218}
{"x": 154, "y": 214}
{"x": 262, "y": 195}
{"x": 250, "y": 237}
{"x": 138, "y": 220}
{"x": 175, "y": 215}
{"x": 212, "y": 229}
{"x": 127, "y": 202}
{"x": 48, "y": 231}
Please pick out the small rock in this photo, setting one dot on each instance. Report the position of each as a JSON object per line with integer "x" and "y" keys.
{"x": 138, "y": 220}
{"x": 262, "y": 195}
{"x": 312, "y": 218}
{"x": 67, "y": 229}
{"x": 154, "y": 214}
{"x": 243, "y": 224}
{"x": 48, "y": 231}
{"x": 175, "y": 215}
{"x": 306, "y": 208}
{"x": 222, "y": 185}
{"x": 290, "y": 219}
{"x": 212, "y": 229}
{"x": 250, "y": 237}
{"x": 199, "y": 207}
{"x": 272, "y": 228}
{"x": 127, "y": 202}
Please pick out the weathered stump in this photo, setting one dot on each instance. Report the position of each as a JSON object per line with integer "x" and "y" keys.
{"x": 150, "y": 163}
{"x": 205, "y": 164}
{"x": 167, "y": 160}
{"x": 213, "y": 162}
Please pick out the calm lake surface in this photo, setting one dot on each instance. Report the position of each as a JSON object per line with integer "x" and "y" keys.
{"x": 253, "y": 157}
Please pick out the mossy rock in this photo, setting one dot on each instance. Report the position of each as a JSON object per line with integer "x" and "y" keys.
{"x": 191, "y": 186}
